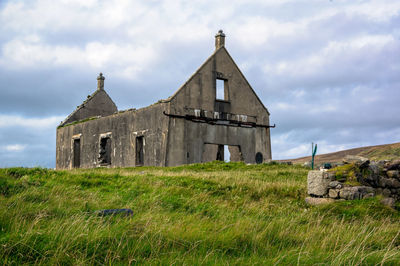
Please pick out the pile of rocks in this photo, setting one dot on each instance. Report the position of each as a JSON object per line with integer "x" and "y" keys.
{"x": 357, "y": 178}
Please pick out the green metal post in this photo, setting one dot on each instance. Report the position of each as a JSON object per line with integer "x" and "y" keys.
{"x": 313, "y": 155}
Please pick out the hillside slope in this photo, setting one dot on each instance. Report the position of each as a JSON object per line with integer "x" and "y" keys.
{"x": 378, "y": 152}
{"x": 214, "y": 213}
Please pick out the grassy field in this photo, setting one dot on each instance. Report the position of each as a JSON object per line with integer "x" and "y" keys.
{"x": 215, "y": 213}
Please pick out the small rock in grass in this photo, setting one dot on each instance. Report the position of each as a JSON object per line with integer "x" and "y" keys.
{"x": 318, "y": 201}
{"x": 126, "y": 212}
{"x": 390, "y": 202}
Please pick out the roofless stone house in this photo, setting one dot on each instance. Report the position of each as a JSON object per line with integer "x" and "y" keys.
{"x": 216, "y": 110}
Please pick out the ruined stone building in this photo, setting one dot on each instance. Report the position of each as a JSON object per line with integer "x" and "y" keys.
{"x": 215, "y": 111}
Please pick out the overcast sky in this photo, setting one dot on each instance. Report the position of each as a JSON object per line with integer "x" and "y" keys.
{"x": 327, "y": 70}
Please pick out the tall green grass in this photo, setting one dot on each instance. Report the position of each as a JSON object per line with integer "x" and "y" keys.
{"x": 214, "y": 213}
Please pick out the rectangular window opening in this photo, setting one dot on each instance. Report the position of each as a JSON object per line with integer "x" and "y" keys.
{"x": 105, "y": 151}
{"x": 220, "y": 89}
{"x": 77, "y": 153}
{"x": 139, "y": 151}
{"x": 227, "y": 154}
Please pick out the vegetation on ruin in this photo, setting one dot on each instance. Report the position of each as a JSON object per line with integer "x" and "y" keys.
{"x": 348, "y": 173}
{"x": 214, "y": 213}
{"x": 79, "y": 121}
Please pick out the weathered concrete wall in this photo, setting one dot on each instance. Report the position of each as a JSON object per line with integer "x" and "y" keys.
{"x": 199, "y": 92}
{"x": 188, "y": 139}
{"x": 98, "y": 104}
{"x": 123, "y": 128}
{"x": 241, "y": 104}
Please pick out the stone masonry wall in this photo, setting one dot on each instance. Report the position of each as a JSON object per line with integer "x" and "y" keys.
{"x": 357, "y": 178}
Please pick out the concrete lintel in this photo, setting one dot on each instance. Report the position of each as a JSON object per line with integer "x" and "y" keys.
{"x": 77, "y": 136}
{"x": 106, "y": 135}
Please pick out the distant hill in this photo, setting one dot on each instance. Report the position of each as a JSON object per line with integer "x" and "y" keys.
{"x": 378, "y": 152}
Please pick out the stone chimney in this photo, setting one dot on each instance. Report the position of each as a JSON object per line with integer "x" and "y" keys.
{"x": 100, "y": 81}
{"x": 219, "y": 39}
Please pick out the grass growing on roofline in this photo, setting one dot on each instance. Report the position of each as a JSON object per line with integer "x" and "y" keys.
{"x": 214, "y": 213}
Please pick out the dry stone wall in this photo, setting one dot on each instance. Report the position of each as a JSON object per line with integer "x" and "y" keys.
{"x": 357, "y": 178}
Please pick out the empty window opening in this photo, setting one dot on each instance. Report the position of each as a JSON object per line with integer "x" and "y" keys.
{"x": 105, "y": 151}
{"x": 77, "y": 153}
{"x": 139, "y": 151}
{"x": 220, "y": 88}
{"x": 227, "y": 154}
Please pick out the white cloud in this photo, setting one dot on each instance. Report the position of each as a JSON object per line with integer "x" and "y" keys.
{"x": 337, "y": 59}
{"x": 14, "y": 147}
{"x": 61, "y": 15}
{"x": 295, "y": 152}
{"x": 34, "y": 123}
{"x": 298, "y": 93}
{"x": 326, "y": 147}
{"x": 256, "y": 31}
{"x": 119, "y": 59}
{"x": 283, "y": 106}
{"x": 378, "y": 10}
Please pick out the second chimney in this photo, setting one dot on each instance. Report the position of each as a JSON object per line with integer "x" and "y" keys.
{"x": 219, "y": 39}
{"x": 100, "y": 81}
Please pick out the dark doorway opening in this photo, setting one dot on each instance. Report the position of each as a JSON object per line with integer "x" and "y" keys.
{"x": 105, "y": 151}
{"x": 76, "y": 163}
{"x": 220, "y": 153}
{"x": 259, "y": 157}
{"x": 139, "y": 151}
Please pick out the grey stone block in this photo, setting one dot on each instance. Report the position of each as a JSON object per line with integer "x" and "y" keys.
{"x": 385, "y": 182}
{"x": 318, "y": 182}
{"x": 386, "y": 192}
{"x": 349, "y": 193}
{"x": 369, "y": 195}
{"x": 358, "y": 160}
{"x": 335, "y": 184}
{"x": 393, "y": 173}
{"x": 333, "y": 193}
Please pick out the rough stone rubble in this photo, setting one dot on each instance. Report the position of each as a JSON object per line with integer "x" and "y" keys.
{"x": 357, "y": 178}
